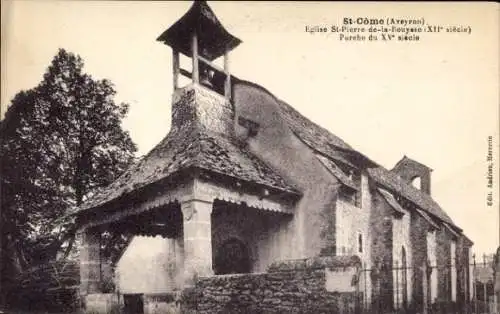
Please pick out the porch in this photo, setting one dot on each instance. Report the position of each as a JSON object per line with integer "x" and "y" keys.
{"x": 206, "y": 229}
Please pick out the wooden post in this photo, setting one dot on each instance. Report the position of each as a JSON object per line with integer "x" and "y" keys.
{"x": 227, "y": 84}
{"x": 175, "y": 68}
{"x": 194, "y": 49}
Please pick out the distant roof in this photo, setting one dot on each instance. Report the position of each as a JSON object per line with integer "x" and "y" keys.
{"x": 213, "y": 39}
{"x": 339, "y": 174}
{"x": 192, "y": 147}
{"x": 397, "y": 185}
{"x": 427, "y": 218}
{"x": 392, "y": 201}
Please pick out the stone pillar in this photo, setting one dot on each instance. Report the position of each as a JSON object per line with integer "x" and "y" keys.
{"x": 90, "y": 262}
{"x": 197, "y": 239}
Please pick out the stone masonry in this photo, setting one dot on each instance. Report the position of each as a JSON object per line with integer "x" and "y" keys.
{"x": 297, "y": 286}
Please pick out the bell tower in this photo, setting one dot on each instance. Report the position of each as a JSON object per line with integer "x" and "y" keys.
{"x": 200, "y": 36}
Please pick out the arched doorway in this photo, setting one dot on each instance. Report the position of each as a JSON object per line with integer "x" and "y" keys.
{"x": 232, "y": 258}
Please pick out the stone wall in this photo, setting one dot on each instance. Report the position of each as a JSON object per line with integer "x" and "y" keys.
{"x": 381, "y": 229}
{"x": 197, "y": 104}
{"x": 443, "y": 257}
{"x": 462, "y": 256}
{"x": 401, "y": 259}
{"x": 353, "y": 222}
{"x": 314, "y": 285}
{"x": 418, "y": 235}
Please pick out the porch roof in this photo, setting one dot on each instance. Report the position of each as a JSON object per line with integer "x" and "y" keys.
{"x": 214, "y": 39}
{"x": 192, "y": 147}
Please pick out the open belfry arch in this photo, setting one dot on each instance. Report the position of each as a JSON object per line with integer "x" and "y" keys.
{"x": 198, "y": 176}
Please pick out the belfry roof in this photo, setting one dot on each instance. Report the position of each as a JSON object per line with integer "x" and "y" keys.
{"x": 213, "y": 39}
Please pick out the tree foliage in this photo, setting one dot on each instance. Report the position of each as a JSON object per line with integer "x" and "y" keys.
{"x": 60, "y": 141}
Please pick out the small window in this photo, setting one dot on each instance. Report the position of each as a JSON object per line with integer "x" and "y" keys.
{"x": 360, "y": 243}
{"x": 351, "y": 196}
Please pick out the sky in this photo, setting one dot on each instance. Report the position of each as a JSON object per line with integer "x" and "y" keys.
{"x": 434, "y": 100}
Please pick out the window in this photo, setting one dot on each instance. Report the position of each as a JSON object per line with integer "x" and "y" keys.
{"x": 360, "y": 242}
{"x": 351, "y": 194}
{"x": 355, "y": 176}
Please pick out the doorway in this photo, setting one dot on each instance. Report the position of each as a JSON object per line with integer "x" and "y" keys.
{"x": 232, "y": 258}
{"x": 133, "y": 303}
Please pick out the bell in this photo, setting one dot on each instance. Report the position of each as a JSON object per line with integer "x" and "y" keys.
{"x": 206, "y": 77}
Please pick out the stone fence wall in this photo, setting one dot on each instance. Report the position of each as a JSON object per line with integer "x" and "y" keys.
{"x": 315, "y": 285}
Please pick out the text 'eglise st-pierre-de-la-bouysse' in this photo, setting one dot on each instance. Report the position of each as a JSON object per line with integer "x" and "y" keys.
{"x": 401, "y": 29}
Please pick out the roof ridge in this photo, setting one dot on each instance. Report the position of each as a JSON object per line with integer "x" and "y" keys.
{"x": 405, "y": 157}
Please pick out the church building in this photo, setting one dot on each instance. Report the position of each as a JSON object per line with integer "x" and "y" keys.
{"x": 243, "y": 180}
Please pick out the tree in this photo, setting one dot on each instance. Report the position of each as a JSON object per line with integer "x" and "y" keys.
{"x": 60, "y": 141}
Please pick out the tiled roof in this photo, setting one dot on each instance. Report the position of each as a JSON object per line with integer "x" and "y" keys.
{"x": 392, "y": 201}
{"x": 450, "y": 229}
{"x": 426, "y": 217}
{"x": 311, "y": 133}
{"x": 395, "y": 205}
{"x": 339, "y": 174}
{"x": 397, "y": 185}
{"x": 320, "y": 139}
{"x": 192, "y": 147}
{"x": 213, "y": 37}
